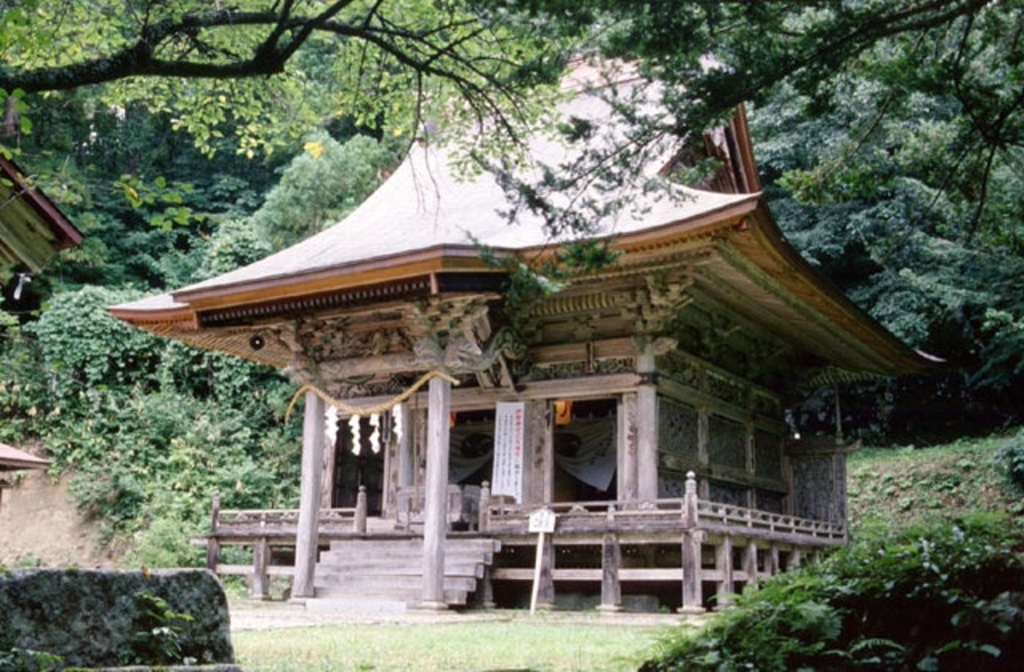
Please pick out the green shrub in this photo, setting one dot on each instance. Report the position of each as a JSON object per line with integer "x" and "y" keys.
{"x": 1010, "y": 458}
{"x": 934, "y": 597}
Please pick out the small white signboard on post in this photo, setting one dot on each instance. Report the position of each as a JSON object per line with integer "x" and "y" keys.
{"x": 541, "y": 521}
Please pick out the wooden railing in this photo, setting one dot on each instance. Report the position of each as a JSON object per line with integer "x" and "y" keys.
{"x": 668, "y": 515}
{"x": 703, "y": 525}
{"x": 265, "y": 529}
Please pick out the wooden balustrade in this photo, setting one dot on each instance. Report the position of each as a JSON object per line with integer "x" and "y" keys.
{"x": 266, "y": 529}
{"x": 721, "y": 544}
{"x": 678, "y": 514}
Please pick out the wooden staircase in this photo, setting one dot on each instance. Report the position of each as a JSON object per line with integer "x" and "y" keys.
{"x": 391, "y": 570}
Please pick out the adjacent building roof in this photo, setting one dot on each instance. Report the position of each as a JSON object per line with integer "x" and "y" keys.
{"x": 12, "y": 459}
{"x": 32, "y": 228}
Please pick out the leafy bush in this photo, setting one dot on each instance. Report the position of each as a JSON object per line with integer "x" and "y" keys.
{"x": 159, "y": 633}
{"x": 85, "y": 348}
{"x": 1011, "y": 459}
{"x": 937, "y": 596}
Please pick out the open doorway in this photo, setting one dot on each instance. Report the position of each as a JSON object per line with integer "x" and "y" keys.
{"x": 585, "y": 451}
{"x": 358, "y": 464}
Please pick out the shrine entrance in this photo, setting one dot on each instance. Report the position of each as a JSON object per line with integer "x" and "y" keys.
{"x": 358, "y": 461}
{"x": 585, "y": 450}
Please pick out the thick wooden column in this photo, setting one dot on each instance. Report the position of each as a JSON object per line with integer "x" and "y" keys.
{"x": 546, "y": 584}
{"x": 309, "y": 497}
{"x": 539, "y": 454}
{"x": 260, "y": 588}
{"x": 436, "y": 503}
{"x": 406, "y": 456}
{"x": 611, "y": 562}
{"x": 723, "y": 561}
{"x": 626, "y": 449}
{"x": 646, "y": 429}
{"x": 330, "y": 457}
{"x": 693, "y": 596}
{"x": 750, "y": 562}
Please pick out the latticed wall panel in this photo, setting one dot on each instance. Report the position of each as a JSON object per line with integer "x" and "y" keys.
{"x": 819, "y": 487}
{"x": 768, "y": 455}
{"x": 725, "y": 493}
{"x": 677, "y": 445}
{"x": 727, "y": 443}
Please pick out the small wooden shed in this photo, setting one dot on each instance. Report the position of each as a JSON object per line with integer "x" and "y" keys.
{"x": 644, "y": 404}
{"x": 32, "y": 228}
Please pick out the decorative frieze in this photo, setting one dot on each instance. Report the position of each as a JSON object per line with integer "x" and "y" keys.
{"x": 581, "y": 369}
{"x": 728, "y": 389}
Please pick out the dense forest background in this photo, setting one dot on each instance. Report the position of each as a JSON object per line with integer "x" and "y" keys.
{"x": 913, "y": 208}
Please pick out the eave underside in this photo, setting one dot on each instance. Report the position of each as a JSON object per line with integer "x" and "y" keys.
{"x": 706, "y": 297}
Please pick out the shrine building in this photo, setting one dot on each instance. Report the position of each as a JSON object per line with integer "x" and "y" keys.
{"x": 641, "y": 407}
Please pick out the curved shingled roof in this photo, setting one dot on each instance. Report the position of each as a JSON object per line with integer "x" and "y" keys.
{"x": 426, "y": 220}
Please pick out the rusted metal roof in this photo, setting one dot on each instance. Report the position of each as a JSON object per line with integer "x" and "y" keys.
{"x": 12, "y": 459}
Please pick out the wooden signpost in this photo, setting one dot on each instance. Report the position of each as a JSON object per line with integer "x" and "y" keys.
{"x": 542, "y": 521}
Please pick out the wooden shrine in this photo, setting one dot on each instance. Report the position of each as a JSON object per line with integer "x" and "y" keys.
{"x": 644, "y": 404}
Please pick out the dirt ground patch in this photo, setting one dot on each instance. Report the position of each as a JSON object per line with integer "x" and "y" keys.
{"x": 39, "y": 525}
{"x": 272, "y": 615}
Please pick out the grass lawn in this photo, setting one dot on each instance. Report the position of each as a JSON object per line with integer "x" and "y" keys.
{"x": 544, "y": 643}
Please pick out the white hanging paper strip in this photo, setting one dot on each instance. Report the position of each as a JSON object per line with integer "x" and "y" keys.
{"x": 396, "y": 422}
{"x": 353, "y": 425}
{"x": 331, "y": 426}
{"x": 375, "y": 433}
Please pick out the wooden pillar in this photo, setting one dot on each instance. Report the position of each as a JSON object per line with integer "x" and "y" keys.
{"x": 260, "y": 588}
{"x": 330, "y": 455}
{"x": 611, "y": 561}
{"x": 546, "y": 586}
{"x": 436, "y": 501}
{"x": 723, "y": 562}
{"x": 359, "y": 521}
{"x": 538, "y": 453}
{"x": 626, "y": 448}
{"x": 483, "y": 598}
{"x": 406, "y": 456}
{"x": 750, "y": 562}
{"x": 309, "y": 497}
{"x": 484, "y": 521}
{"x": 693, "y": 595}
{"x": 794, "y": 559}
{"x": 646, "y": 428}
{"x": 213, "y": 541}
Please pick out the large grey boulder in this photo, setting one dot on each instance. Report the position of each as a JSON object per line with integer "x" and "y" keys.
{"x": 94, "y": 618}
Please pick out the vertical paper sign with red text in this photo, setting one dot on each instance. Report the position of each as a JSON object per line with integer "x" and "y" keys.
{"x": 509, "y": 433}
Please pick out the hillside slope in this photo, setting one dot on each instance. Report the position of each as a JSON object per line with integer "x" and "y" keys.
{"x": 903, "y": 486}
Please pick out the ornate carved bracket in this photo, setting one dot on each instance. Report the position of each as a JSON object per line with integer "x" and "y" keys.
{"x": 661, "y": 298}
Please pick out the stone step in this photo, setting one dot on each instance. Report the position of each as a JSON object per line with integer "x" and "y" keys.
{"x": 392, "y": 569}
{"x": 375, "y": 584}
{"x": 382, "y": 601}
{"x": 383, "y": 566}
{"x": 323, "y": 602}
{"x": 392, "y": 546}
